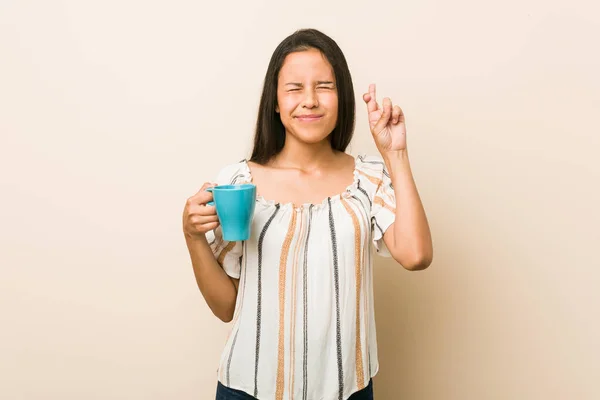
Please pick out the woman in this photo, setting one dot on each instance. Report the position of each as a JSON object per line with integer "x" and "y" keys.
{"x": 300, "y": 290}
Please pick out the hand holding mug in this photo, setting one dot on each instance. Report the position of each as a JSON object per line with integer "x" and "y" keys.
{"x": 198, "y": 217}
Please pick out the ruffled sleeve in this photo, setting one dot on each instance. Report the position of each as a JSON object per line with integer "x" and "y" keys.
{"x": 375, "y": 180}
{"x": 228, "y": 254}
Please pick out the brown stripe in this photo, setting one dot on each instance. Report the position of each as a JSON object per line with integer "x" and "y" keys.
{"x": 371, "y": 178}
{"x": 360, "y": 373}
{"x": 282, "y": 271}
{"x": 236, "y": 314}
{"x": 226, "y": 250}
{"x": 382, "y": 203}
{"x": 293, "y": 320}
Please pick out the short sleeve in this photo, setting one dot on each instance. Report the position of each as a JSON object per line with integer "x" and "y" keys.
{"x": 377, "y": 184}
{"x": 228, "y": 254}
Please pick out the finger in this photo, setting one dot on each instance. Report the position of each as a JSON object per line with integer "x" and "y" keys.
{"x": 371, "y": 99}
{"x": 201, "y": 209}
{"x": 206, "y": 227}
{"x": 198, "y": 219}
{"x": 205, "y": 186}
{"x": 199, "y": 199}
{"x": 373, "y": 90}
{"x": 211, "y": 226}
{"x": 206, "y": 210}
{"x": 396, "y": 113}
{"x": 366, "y": 98}
{"x": 202, "y": 196}
{"x": 385, "y": 116}
{"x": 210, "y": 219}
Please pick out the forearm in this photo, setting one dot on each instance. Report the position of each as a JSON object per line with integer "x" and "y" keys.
{"x": 411, "y": 243}
{"x": 217, "y": 288}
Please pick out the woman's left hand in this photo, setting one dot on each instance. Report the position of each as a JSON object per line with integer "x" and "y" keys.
{"x": 387, "y": 123}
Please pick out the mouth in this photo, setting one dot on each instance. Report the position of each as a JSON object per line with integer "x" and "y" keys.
{"x": 309, "y": 117}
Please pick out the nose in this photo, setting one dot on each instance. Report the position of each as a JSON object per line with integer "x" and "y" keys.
{"x": 310, "y": 99}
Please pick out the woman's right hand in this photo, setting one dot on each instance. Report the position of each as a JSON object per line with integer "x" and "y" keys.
{"x": 198, "y": 218}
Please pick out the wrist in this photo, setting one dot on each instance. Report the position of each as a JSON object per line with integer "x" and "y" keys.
{"x": 199, "y": 238}
{"x": 395, "y": 158}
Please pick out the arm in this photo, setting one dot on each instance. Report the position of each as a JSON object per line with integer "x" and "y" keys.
{"x": 218, "y": 289}
{"x": 408, "y": 239}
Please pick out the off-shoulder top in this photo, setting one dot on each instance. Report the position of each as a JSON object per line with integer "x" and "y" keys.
{"x": 304, "y": 322}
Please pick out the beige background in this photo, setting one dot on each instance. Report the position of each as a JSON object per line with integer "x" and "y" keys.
{"x": 112, "y": 113}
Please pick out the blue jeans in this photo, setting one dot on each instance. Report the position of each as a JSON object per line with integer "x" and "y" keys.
{"x": 225, "y": 393}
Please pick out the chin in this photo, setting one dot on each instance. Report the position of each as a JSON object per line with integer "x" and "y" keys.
{"x": 310, "y": 136}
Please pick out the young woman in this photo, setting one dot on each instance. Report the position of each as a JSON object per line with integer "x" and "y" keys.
{"x": 300, "y": 290}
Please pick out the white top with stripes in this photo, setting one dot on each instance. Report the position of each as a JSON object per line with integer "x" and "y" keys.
{"x": 304, "y": 325}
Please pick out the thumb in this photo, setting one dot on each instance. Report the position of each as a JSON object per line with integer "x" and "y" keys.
{"x": 385, "y": 116}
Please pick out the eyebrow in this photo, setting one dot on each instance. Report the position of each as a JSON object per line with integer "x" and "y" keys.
{"x": 318, "y": 83}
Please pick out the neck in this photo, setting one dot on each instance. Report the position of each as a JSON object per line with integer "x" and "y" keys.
{"x": 304, "y": 156}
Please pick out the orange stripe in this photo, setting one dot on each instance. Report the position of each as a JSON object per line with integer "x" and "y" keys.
{"x": 282, "y": 270}
{"x": 373, "y": 179}
{"x": 360, "y": 373}
{"x": 223, "y": 253}
{"x": 217, "y": 243}
{"x": 381, "y": 202}
{"x": 365, "y": 287}
{"x": 293, "y": 321}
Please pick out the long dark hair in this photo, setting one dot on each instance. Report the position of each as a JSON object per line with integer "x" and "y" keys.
{"x": 270, "y": 132}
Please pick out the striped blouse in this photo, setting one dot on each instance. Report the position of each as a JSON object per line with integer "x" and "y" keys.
{"x": 304, "y": 323}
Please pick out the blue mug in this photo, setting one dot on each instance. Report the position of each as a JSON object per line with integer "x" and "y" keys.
{"x": 235, "y": 208}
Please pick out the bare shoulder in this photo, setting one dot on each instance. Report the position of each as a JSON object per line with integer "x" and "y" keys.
{"x": 345, "y": 161}
{"x": 258, "y": 170}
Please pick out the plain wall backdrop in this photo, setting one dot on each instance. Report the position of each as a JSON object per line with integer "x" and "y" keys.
{"x": 112, "y": 113}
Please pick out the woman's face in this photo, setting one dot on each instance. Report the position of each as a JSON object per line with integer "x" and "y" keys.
{"x": 307, "y": 99}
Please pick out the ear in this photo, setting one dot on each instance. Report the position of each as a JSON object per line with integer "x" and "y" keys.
{"x": 277, "y": 108}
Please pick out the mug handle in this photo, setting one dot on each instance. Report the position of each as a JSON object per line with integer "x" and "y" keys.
{"x": 210, "y": 203}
